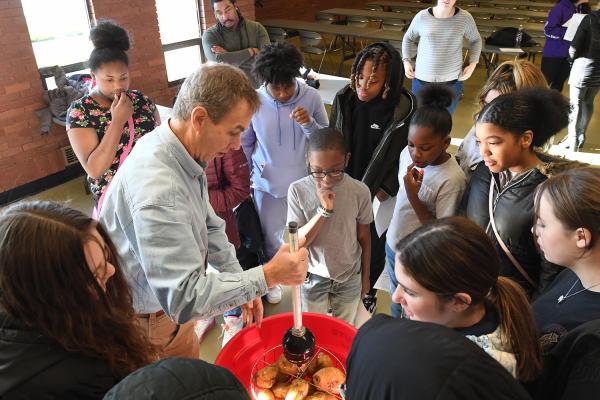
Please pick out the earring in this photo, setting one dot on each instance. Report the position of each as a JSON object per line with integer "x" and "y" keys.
{"x": 386, "y": 92}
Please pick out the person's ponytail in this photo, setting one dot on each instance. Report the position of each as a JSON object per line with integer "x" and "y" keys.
{"x": 517, "y": 327}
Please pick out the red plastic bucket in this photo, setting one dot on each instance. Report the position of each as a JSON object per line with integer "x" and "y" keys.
{"x": 250, "y": 344}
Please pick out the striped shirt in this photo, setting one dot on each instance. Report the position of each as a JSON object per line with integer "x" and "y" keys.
{"x": 437, "y": 44}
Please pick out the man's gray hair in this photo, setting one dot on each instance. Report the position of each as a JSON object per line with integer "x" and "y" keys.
{"x": 216, "y": 87}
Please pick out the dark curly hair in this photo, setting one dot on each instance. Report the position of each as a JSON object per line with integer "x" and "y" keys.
{"x": 278, "y": 64}
{"x": 378, "y": 54}
{"x": 46, "y": 285}
{"x": 434, "y": 100}
{"x": 110, "y": 44}
{"x": 543, "y": 111}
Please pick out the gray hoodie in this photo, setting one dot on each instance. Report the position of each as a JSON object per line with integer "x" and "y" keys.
{"x": 236, "y": 42}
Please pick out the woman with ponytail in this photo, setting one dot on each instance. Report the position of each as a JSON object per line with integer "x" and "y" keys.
{"x": 104, "y": 125}
{"x": 431, "y": 181}
{"x": 448, "y": 273}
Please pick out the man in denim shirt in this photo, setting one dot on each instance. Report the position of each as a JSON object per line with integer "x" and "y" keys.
{"x": 158, "y": 214}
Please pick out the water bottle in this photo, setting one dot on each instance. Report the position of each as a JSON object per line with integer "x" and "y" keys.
{"x": 519, "y": 37}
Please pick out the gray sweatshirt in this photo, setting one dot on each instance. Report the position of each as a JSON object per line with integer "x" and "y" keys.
{"x": 437, "y": 44}
{"x": 237, "y": 42}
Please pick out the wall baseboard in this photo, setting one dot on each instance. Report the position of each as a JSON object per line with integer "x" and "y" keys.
{"x": 37, "y": 186}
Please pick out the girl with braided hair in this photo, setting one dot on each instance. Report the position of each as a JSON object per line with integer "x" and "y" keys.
{"x": 372, "y": 112}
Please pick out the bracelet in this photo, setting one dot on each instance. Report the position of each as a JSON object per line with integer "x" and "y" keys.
{"x": 325, "y": 213}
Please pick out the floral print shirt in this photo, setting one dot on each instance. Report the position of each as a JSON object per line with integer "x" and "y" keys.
{"x": 88, "y": 113}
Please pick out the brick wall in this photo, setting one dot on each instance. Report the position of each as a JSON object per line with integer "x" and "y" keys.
{"x": 25, "y": 155}
{"x": 301, "y": 10}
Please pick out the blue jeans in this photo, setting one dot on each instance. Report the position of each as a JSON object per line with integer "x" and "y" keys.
{"x": 456, "y": 86}
{"x": 320, "y": 293}
{"x": 390, "y": 258}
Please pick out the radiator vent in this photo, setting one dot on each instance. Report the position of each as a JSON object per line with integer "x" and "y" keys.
{"x": 69, "y": 155}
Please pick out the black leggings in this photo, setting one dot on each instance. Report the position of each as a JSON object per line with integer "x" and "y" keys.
{"x": 377, "y": 255}
{"x": 556, "y": 70}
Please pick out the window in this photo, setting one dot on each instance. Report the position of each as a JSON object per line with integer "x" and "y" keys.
{"x": 179, "y": 25}
{"x": 59, "y": 32}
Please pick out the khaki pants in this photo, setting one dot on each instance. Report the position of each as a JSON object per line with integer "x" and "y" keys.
{"x": 173, "y": 340}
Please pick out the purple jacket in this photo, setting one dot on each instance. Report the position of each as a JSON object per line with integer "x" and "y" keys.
{"x": 554, "y": 30}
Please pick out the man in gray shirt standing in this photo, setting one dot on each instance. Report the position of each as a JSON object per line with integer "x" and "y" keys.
{"x": 234, "y": 40}
{"x": 158, "y": 214}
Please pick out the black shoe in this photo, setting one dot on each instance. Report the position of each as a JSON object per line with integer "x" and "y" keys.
{"x": 370, "y": 303}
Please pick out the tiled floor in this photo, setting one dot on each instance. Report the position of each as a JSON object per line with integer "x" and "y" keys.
{"x": 74, "y": 195}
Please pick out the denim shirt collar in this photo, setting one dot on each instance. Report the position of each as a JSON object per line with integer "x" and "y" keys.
{"x": 194, "y": 168}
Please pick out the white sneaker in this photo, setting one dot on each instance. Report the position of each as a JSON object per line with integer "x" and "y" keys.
{"x": 231, "y": 327}
{"x": 203, "y": 326}
{"x": 274, "y": 294}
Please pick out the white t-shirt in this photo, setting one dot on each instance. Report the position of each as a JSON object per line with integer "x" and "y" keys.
{"x": 441, "y": 191}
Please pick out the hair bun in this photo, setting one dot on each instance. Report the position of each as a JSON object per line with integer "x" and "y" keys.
{"x": 436, "y": 95}
{"x": 107, "y": 34}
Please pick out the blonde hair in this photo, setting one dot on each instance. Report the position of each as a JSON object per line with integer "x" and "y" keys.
{"x": 511, "y": 76}
{"x": 216, "y": 87}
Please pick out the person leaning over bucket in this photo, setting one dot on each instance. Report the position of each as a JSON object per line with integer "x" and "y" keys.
{"x": 157, "y": 211}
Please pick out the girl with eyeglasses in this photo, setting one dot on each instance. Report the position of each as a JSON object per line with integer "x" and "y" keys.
{"x": 431, "y": 181}
{"x": 334, "y": 213}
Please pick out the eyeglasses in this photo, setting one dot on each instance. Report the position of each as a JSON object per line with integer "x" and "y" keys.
{"x": 334, "y": 173}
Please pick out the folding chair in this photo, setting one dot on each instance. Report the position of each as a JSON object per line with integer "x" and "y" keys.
{"x": 324, "y": 19}
{"x": 313, "y": 43}
{"x": 277, "y": 35}
{"x": 393, "y": 25}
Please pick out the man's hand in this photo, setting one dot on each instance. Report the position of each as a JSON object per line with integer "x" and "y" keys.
{"x": 467, "y": 72}
{"x": 412, "y": 182}
{"x": 409, "y": 70}
{"x": 253, "y": 51}
{"x": 252, "y": 312}
{"x": 286, "y": 268}
{"x": 326, "y": 196}
{"x": 300, "y": 115}
{"x": 218, "y": 50}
